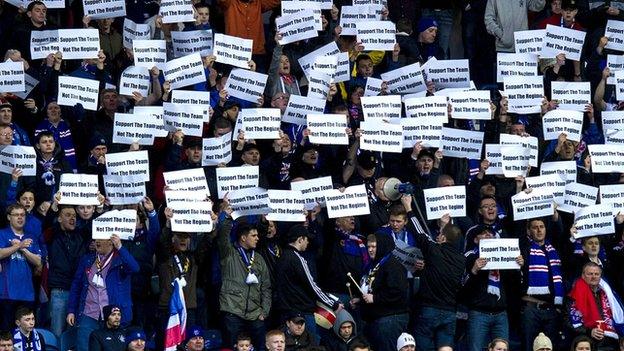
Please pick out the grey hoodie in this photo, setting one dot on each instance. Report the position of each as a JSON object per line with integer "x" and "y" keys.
{"x": 342, "y": 317}
{"x": 504, "y": 17}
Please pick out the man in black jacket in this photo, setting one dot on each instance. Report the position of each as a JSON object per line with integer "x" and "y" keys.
{"x": 440, "y": 283}
{"x": 111, "y": 337}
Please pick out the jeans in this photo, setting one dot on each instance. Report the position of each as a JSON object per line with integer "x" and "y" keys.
{"x": 384, "y": 332}
{"x": 445, "y": 27}
{"x": 234, "y": 325}
{"x": 58, "y": 310}
{"x": 434, "y": 328}
{"x": 536, "y": 320}
{"x": 86, "y": 325}
{"x": 483, "y": 327}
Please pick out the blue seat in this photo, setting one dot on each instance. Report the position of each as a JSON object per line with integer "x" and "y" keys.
{"x": 51, "y": 342}
{"x": 68, "y": 339}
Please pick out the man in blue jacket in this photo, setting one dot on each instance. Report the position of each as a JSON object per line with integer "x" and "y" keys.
{"x": 102, "y": 278}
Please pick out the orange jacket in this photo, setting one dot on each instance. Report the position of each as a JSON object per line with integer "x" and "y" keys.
{"x": 244, "y": 20}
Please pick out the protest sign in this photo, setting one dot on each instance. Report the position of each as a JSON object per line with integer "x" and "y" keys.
{"x": 381, "y": 136}
{"x": 261, "y": 123}
{"x": 571, "y": 95}
{"x": 495, "y": 157}
{"x": 102, "y": 9}
{"x": 119, "y": 222}
{"x": 526, "y": 141}
{"x": 152, "y": 118}
{"x": 124, "y": 190}
{"x": 190, "y": 97}
{"x": 150, "y": 53}
{"x": 323, "y": 4}
{"x": 499, "y": 253}
{"x": 515, "y": 65}
{"x": 16, "y": 156}
{"x": 247, "y": 202}
{"x": 594, "y": 220}
{"x": 292, "y": 7}
{"x": 12, "y": 77}
{"x": 515, "y": 160}
{"x": 186, "y": 43}
{"x": 79, "y": 43}
{"x": 461, "y": 143}
{"x": 445, "y": 200}
{"x": 552, "y": 183}
{"x": 376, "y": 35}
{"x": 448, "y": 73}
{"x": 236, "y": 178}
{"x": 350, "y": 16}
{"x": 132, "y": 31}
{"x": 343, "y": 70}
{"x": 558, "y": 121}
{"x": 43, "y": 42}
{"x": 72, "y": 91}
{"x": 353, "y": 201}
{"x": 246, "y": 85}
{"x": 524, "y": 94}
{"x": 307, "y": 61}
{"x": 407, "y": 79}
{"x": 176, "y": 11}
{"x": 185, "y": 117}
{"x": 193, "y": 179}
{"x": 373, "y": 86}
{"x": 313, "y": 190}
{"x": 614, "y": 63}
{"x": 471, "y": 105}
{"x": 134, "y": 163}
{"x": 613, "y": 195}
{"x": 615, "y": 32}
{"x": 192, "y": 217}
{"x": 286, "y": 206}
{"x": 613, "y": 136}
{"x": 324, "y": 64}
{"x": 576, "y": 196}
{"x": 184, "y": 71}
{"x": 134, "y": 79}
{"x": 296, "y": 27}
{"x": 216, "y": 151}
{"x": 421, "y": 129}
{"x": 619, "y": 85}
{"x": 613, "y": 120}
{"x": 79, "y": 189}
{"x": 330, "y": 129}
{"x": 318, "y": 84}
{"x": 606, "y": 158}
{"x": 559, "y": 40}
{"x": 232, "y": 50}
{"x": 529, "y": 41}
{"x": 537, "y": 203}
{"x": 433, "y": 109}
{"x": 378, "y": 108}
{"x": 30, "y": 83}
{"x": 173, "y": 196}
{"x": 566, "y": 169}
{"x": 300, "y": 106}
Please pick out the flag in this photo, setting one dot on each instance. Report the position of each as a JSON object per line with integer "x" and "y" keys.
{"x": 176, "y": 327}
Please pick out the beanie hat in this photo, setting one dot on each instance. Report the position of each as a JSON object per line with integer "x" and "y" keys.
{"x": 542, "y": 342}
{"x": 405, "y": 339}
{"x": 97, "y": 140}
{"x": 425, "y": 23}
{"x": 135, "y": 334}
{"x": 108, "y": 310}
{"x": 4, "y": 103}
{"x": 193, "y": 332}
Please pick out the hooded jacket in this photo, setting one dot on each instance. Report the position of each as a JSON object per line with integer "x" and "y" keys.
{"x": 504, "y": 17}
{"x": 334, "y": 342}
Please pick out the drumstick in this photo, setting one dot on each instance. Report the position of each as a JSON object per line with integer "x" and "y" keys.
{"x": 349, "y": 288}
{"x": 356, "y": 284}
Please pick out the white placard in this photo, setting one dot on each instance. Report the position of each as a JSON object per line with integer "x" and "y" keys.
{"x": 421, "y": 129}
{"x": 217, "y": 150}
{"x": 353, "y": 201}
{"x": 79, "y": 189}
{"x": 132, "y": 31}
{"x": 524, "y": 94}
{"x": 16, "y": 156}
{"x": 530, "y": 142}
{"x": 175, "y": 11}
{"x": 376, "y": 35}
{"x": 577, "y": 196}
{"x": 102, "y": 9}
{"x": 471, "y": 105}
{"x": 461, "y": 143}
{"x": 190, "y": 97}
{"x": 515, "y": 65}
{"x": 246, "y": 85}
{"x": 613, "y": 120}
{"x": 515, "y": 160}
{"x": 173, "y": 196}
{"x": 12, "y": 77}
{"x": 124, "y": 190}
{"x": 537, "y": 203}
{"x": 559, "y": 40}
{"x": 30, "y": 84}
{"x": 445, "y": 200}
{"x": 373, "y": 86}
{"x": 236, "y": 178}
{"x": 499, "y": 253}
{"x": 615, "y": 32}
{"x": 73, "y": 43}
{"x": 306, "y": 62}
{"x": 261, "y": 123}
{"x": 613, "y": 136}
{"x": 558, "y": 121}
{"x": 232, "y": 50}
{"x": 120, "y": 222}
{"x": 408, "y": 79}
{"x": 193, "y": 179}
{"x": 135, "y": 163}
{"x": 324, "y": 4}
{"x": 343, "y": 70}
{"x": 432, "y": 109}
{"x": 613, "y": 195}
{"x": 43, "y": 42}
{"x": 619, "y": 85}
{"x": 529, "y": 41}
{"x": 185, "y": 117}
{"x": 378, "y": 108}
{"x": 552, "y": 183}
{"x": 247, "y": 202}
{"x": 313, "y": 190}
{"x": 614, "y": 63}
{"x": 292, "y": 7}
{"x": 381, "y": 136}
{"x": 350, "y": 16}
{"x": 286, "y": 206}
{"x": 607, "y": 158}
{"x": 448, "y": 73}
{"x": 300, "y": 106}
{"x": 134, "y": 79}
{"x": 566, "y": 169}
{"x": 296, "y": 27}
{"x": 494, "y": 155}
{"x": 152, "y": 116}
{"x": 184, "y": 71}
{"x": 328, "y": 129}
{"x": 186, "y": 43}
{"x": 72, "y": 91}
{"x": 594, "y": 220}
{"x": 192, "y": 217}
{"x": 150, "y": 53}
{"x": 318, "y": 84}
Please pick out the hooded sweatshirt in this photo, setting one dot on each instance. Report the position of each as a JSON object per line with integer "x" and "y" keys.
{"x": 504, "y": 17}
{"x": 335, "y": 342}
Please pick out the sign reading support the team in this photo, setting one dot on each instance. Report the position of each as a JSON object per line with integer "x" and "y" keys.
{"x": 499, "y": 253}
{"x": 318, "y": 84}
{"x": 124, "y": 190}
{"x": 152, "y": 118}
{"x": 175, "y": 11}
{"x": 377, "y": 108}
{"x": 353, "y": 201}
{"x": 184, "y": 71}
{"x": 445, "y": 200}
{"x": 135, "y": 163}
{"x": 132, "y": 31}
{"x": 328, "y": 129}
{"x": 373, "y": 86}
{"x": 529, "y": 41}
{"x": 607, "y": 158}
{"x": 134, "y": 79}
{"x": 187, "y": 118}
{"x": 102, "y": 9}
{"x": 376, "y": 35}
{"x": 515, "y": 65}
{"x": 193, "y": 179}
{"x": 566, "y": 169}
{"x": 571, "y": 95}
{"x": 552, "y": 183}
{"x": 524, "y": 94}
{"x": 150, "y": 53}
{"x": 559, "y": 40}
{"x": 613, "y": 195}
{"x": 30, "y": 84}
{"x": 615, "y": 32}
{"x": 306, "y": 62}
{"x": 614, "y": 63}
{"x": 515, "y": 160}
{"x": 619, "y": 84}
{"x": 313, "y": 190}
{"x": 381, "y": 136}
{"x": 558, "y": 121}
{"x": 236, "y": 178}
{"x": 12, "y": 77}
{"x": 408, "y": 79}
{"x": 120, "y": 222}
{"x": 73, "y": 43}
{"x": 471, "y": 105}
{"x": 246, "y": 85}
{"x": 525, "y": 141}
{"x": 292, "y": 7}
{"x": 217, "y": 150}
{"x": 594, "y": 220}
{"x": 72, "y": 91}
{"x": 433, "y": 109}
{"x": 232, "y": 50}
{"x": 448, "y": 73}
{"x": 421, "y": 129}
{"x": 461, "y": 143}
{"x": 186, "y": 43}
{"x": 261, "y": 123}
{"x": 16, "y": 156}
{"x": 286, "y": 206}
{"x": 300, "y": 106}
{"x": 192, "y": 217}
{"x": 350, "y": 16}
{"x": 494, "y": 156}
{"x": 296, "y": 27}
{"x": 537, "y": 203}
{"x": 577, "y": 196}
{"x": 247, "y": 202}
{"x": 79, "y": 189}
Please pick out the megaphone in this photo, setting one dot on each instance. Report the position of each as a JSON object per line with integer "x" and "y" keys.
{"x": 393, "y": 189}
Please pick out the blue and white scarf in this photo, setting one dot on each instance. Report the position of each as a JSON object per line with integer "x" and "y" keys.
{"x": 20, "y": 343}
{"x": 540, "y": 263}
{"x": 493, "y": 276}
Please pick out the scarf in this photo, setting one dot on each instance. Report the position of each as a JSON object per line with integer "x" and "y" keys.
{"x": 369, "y": 277}
{"x": 493, "y": 277}
{"x": 539, "y": 264}
{"x": 353, "y": 245}
{"x": 248, "y": 261}
{"x": 585, "y": 312}
{"x": 403, "y": 234}
{"x": 21, "y": 343}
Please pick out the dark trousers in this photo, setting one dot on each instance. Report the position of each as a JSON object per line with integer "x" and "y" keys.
{"x": 233, "y": 325}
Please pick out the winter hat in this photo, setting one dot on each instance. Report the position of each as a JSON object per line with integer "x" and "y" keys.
{"x": 135, "y": 334}
{"x": 4, "y": 103}
{"x": 108, "y": 310}
{"x": 97, "y": 140}
{"x": 405, "y": 339}
{"x": 542, "y": 342}
{"x": 426, "y": 23}
{"x": 193, "y": 332}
